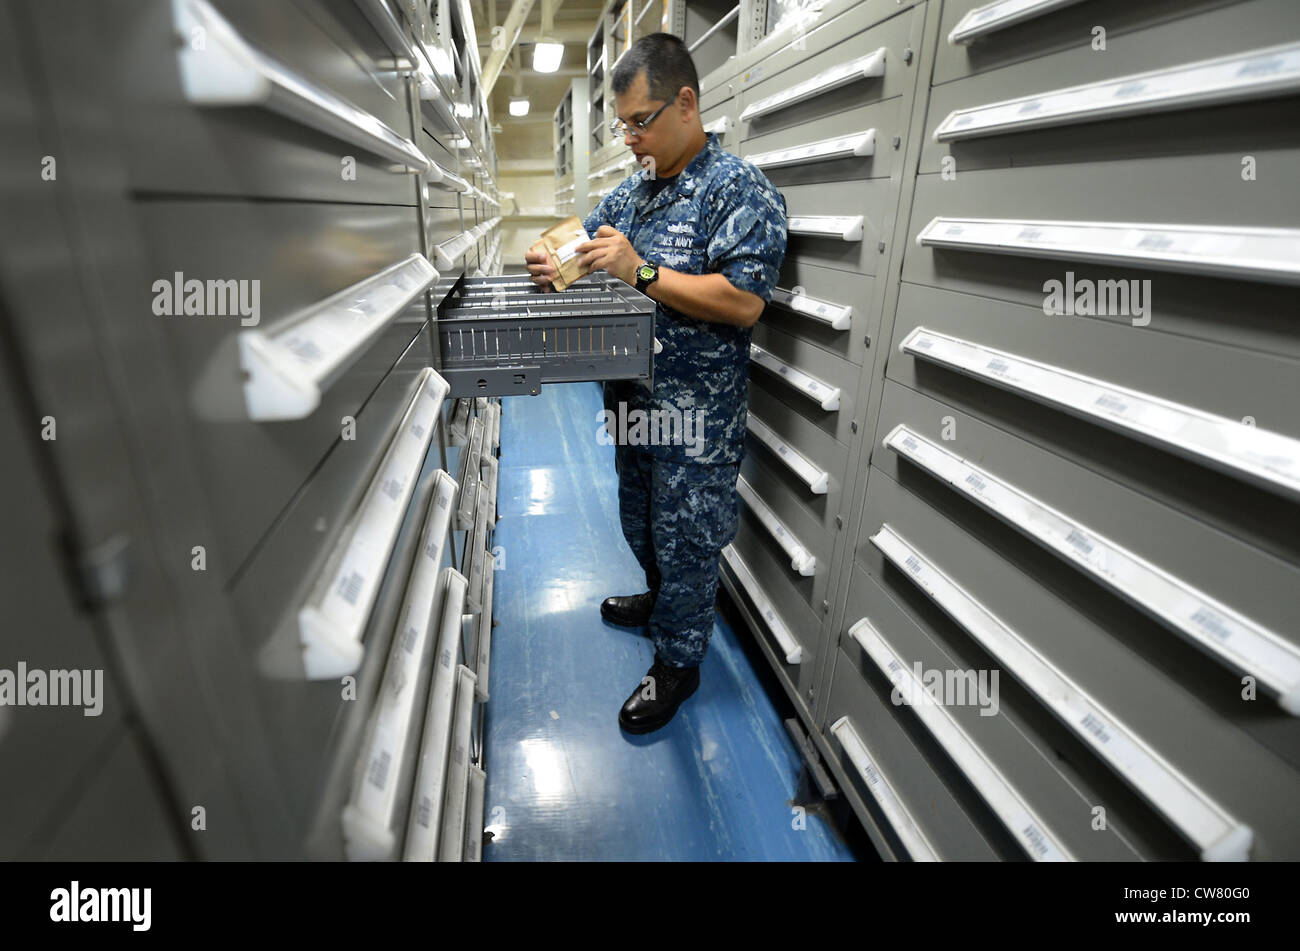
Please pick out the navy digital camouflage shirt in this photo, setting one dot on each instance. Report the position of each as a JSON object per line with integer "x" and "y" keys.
{"x": 721, "y": 215}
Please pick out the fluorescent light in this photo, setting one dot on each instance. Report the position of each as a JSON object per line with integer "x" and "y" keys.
{"x": 547, "y": 56}
{"x": 519, "y": 107}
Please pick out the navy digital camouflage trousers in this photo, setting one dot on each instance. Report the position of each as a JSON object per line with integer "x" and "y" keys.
{"x": 677, "y": 518}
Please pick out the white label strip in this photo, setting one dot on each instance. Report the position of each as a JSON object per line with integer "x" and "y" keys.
{"x": 844, "y": 227}
{"x": 818, "y": 480}
{"x": 489, "y": 481}
{"x": 873, "y": 64}
{"x": 1261, "y": 254}
{"x": 288, "y": 365}
{"x": 425, "y": 820}
{"x": 224, "y": 70}
{"x": 1003, "y": 798}
{"x": 1253, "y": 75}
{"x": 858, "y": 144}
{"x": 483, "y": 667}
{"x": 780, "y": 630}
{"x": 1251, "y": 453}
{"x": 451, "y": 843}
{"x": 476, "y": 542}
{"x": 493, "y": 427}
{"x": 369, "y": 832}
{"x": 823, "y": 394}
{"x": 474, "y": 819}
{"x": 801, "y": 559}
{"x": 1218, "y": 836}
{"x": 836, "y": 316}
{"x": 1227, "y": 635}
{"x": 332, "y": 620}
{"x": 998, "y": 16}
{"x": 918, "y": 847}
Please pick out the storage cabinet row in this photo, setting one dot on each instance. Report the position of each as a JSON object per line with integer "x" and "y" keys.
{"x": 272, "y": 198}
{"x": 1056, "y": 419}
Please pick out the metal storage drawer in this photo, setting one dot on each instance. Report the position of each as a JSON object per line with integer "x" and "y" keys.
{"x": 1241, "y": 756}
{"x": 1051, "y": 28}
{"x": 1100, "y": 514}
{"x": 758, "y": 544}
{"x": 1220, "y": 31}
{"x": 789, "y": 503}
{"x": 836, "y": 289}
{"x": 824, "y": 367}
{"x": 1242, "y": 313}
{"x": 834, "y": 43}
{"x": 1014, "y": 738}
{"x": 770, "y": 568}
{"x": 870, "y": 200}
{"x": 954, "y": 832}
{"x": 301, "y": 254}
{"x": 882, "y": 119}
{"x": 1162, "y": 365}
{"x": 250, "y": 150}
{"x": 789, "y": 428}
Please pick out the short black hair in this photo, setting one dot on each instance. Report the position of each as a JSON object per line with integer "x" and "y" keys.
{"x": 667, "y": 65}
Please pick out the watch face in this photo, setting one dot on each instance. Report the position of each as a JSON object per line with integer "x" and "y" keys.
{"x": 646, "y": 272}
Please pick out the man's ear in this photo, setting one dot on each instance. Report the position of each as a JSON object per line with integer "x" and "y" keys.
{"x": 690, "y": 105}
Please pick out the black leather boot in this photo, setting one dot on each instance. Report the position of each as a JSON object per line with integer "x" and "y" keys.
{"x": 671, "y": 685}
{"x": 631, "y": 610}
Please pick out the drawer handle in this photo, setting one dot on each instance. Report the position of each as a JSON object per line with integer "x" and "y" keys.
{"x": 1231, "y": 638}
{"x": 445, "y": 178}
{"x": 448, "y": 253}
{"x": 801, "y": 559}
{"x": 823, "y": 394}
{"x": 288, "y": 366}
{"x": 857, "y": 145}
{"x": 470, "y": 477}
{"x": 775, "y": 623}
{"x": 817, "y": 480}
{"x": 390, "y": 31}
{"x": 331, "y": 621}
{"x": 915, "y": 843}
{"x": 458, "y": 428}
{"x": 230, "y": 72}
{"x": 836, "y": 316}
{"x": 864, "y": 67}
{"x": 424, "y": 827}
{"x": 720, "y": 125}
{"x": 1256, "y": 74}
{"x": 485, "y": 631}
{"x": 1254, "y": 455}
{"x": 436, "y": 104}
{"x": 1005, "y": 800}
{"x": 451, "y": 843}
{"x": 1217, "y": 835}
{"x": 1261, "y": 254}
{"x": 477, "y": 542}
{"x": 493, "y": 439}
{"x": 998, "y": 16}
{"x": 490, "y": 487}
{"x": 844, "y": 227}
{"x": 727, "y": 18}
{"x": 387, "y": 762}
{"x": 474, "y": 821}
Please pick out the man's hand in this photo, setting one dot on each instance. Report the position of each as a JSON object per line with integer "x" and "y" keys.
{"x": 539, "y": 266}
{"x": 610, "y": 251}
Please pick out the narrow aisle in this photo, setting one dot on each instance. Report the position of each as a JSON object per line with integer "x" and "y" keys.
{"x": 564, "y": 782}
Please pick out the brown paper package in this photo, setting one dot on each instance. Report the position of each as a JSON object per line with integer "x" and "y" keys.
{"x": 560, "y": 241}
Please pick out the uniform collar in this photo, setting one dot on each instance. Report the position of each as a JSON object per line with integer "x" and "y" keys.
{"x": 688, "y": 177}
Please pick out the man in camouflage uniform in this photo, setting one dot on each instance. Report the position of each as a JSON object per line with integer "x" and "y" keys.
{"x": 715, "y": 227}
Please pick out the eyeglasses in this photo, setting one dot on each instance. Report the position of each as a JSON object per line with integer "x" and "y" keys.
{"x": 619, "y": 127}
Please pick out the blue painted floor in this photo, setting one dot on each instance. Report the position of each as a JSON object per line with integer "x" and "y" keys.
{"x": 563, "y": 781}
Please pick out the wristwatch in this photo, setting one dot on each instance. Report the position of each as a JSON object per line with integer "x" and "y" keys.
{"x": 646, "y": 275}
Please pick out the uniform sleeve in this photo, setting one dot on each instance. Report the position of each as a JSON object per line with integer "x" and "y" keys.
{"x": 747, "y": 235}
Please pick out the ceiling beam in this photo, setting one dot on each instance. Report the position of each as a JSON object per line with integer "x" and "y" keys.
{"x": 519, "y": 11}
